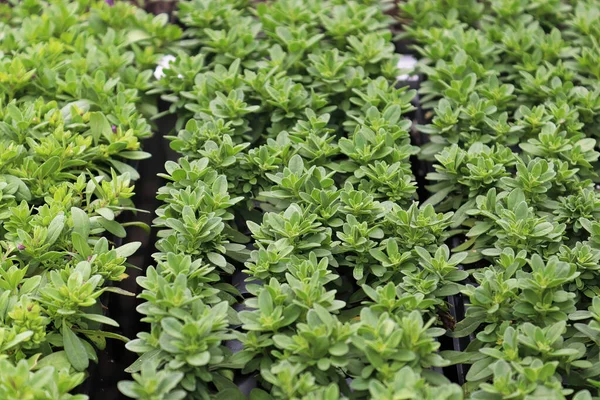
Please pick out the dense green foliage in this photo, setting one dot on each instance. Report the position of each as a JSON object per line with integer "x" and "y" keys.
{"x": 294, "y": 125}
{"x": 293, "y": 252}
{"x": 514, "y": 87}
{"x": 72, "y": 116}
{"x": 296, "y": 153}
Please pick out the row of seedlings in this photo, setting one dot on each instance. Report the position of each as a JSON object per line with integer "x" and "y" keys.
{"x": 296, "y": 173}
{"x": 72, "y": 118}
{"x": 513, "y": 137}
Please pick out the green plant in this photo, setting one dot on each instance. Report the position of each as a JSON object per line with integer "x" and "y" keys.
{"x": 74, "y": 113}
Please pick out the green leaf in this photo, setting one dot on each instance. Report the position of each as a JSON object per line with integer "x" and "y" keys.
{"x": 55, "y": 229}
{"x": 101, "y": 319}
{"x": 106, "y": 213}
{"x": 30, "y": 284}
{"x": 172, "y": 327}
{"x": 48, "y": 167}
{"x": 113, "y": 227}
{"x": 21, "y": 337}
{"x": 81, "y": 222}
{"x": 217, "y": 259}
{"x": 14, "y": 112}
{"x": 128, "y": 249}
{"x": 99, "y": 126}
{"x": 461, "y": 357}
{"x": 296, "y": 164}
{"x": 57, "y": 360}
{"x": 479, "y": 370}
{"x": 339, "y": 349}
{"x": 124, "y": 168}
{"x": 135, "y": 155}
{"x": 75, "y": 350}
{"x": 465, "y": 327}
{"x": 265, "y": 303}
{"x": 198, "y": 360}
{"x": 145, "y": 227}
{"x": 438, "y": 196}
{"x": 229, "y": 394}
{"x": 81, "y": 245}
{"x": 128, "y": 388}
{"x": 110, "y": 335}
{"x": 118, "y": 290}
{"x": 146, "y": 357}
{"x": 135, "y": 35}
{"x": 82, "y": 105}
{"x": 259, "y": 394}
{"x": 480, "y": 228}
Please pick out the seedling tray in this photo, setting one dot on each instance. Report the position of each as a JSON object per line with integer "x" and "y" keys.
{"x": 102, "y": 383}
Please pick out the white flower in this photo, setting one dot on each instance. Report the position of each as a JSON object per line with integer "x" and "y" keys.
{"x": 407, "y": 62}
{"x": 164, "y": 63}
